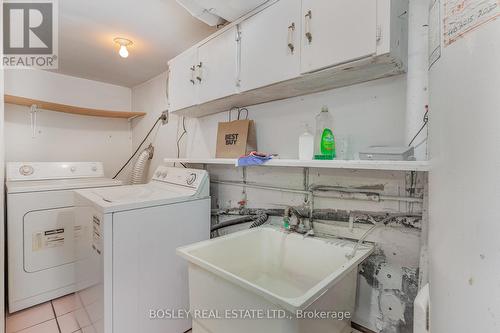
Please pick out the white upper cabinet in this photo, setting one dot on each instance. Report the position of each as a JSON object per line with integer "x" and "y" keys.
{"x": 289, "y": 48}
{"x": 182, "y": 85}
{"x": 270, "y": 45}
{"x": 336, "y": 32}
{"x": 217, "y": 66}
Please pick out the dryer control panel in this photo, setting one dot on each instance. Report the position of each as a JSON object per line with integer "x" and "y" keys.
{"x": 193, "y": 178}
{"x": 53, "y": 170}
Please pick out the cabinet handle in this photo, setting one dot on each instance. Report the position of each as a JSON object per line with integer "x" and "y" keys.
{"x": 238, "y": 56}
{"x": 308, "y": 19}
{"x": 199, "y": 72}
{"x": 291, "y": 31}
{"x": 192, "y": 75}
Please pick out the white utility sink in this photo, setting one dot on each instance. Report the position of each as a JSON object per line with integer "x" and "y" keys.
{"x": 273, "y": 271}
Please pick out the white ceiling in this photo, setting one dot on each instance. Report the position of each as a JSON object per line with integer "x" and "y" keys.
{"x": 160, "y": 29}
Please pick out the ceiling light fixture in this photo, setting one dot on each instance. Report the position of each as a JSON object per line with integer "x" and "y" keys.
{"x": 124, "y": 43}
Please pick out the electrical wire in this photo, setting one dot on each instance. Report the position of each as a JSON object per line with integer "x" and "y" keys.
{"x": 426, "y": 121}
{"x": 184, "y": 132}
{"x": 162, "y": 117}
{"x": 376, "y": 225}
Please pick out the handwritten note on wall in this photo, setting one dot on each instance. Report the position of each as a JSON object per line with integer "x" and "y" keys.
{"x": 463, "y": 16}
{"x": 434, "y": 32}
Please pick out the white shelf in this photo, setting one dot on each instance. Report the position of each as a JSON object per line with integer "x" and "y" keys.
{"x": 335, "y": 164}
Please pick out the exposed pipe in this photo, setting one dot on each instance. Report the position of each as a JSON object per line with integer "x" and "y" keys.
{"x": 232, "y": 222}
{"x": 359, "y": 194}
{"x": 335, "y": 194}
{"x": 424, "y": 240}
{"x": 262, "y": 187}
{"x": 257, "y": 220}
{"x": 343, "y": 193}
{"x": 376, "y": 225}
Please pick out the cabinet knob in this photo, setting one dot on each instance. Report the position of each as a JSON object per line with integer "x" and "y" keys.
{"x": 291, "y": 31}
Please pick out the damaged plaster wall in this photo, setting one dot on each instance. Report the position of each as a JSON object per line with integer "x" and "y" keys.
{"x": 388, "y": 279}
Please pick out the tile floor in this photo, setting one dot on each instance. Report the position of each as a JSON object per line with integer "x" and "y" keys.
{"x": 62, "y": 315}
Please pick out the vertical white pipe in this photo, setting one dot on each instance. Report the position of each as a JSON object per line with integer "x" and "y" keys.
{"x": 417, "y": 100}
{"x": 417, "y": 95}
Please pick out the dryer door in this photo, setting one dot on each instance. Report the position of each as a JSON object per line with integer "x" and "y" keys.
{"x": 49, "y": 237}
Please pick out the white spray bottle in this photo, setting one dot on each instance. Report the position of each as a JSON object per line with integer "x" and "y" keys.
{"x": 306, "y": 145}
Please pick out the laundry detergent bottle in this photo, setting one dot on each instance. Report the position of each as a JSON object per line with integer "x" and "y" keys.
{"x": 324, "y": 143}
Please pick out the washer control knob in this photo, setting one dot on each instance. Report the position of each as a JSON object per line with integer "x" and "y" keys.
{"x": 72, "y": 169}
{"x": 163, "y": 174}
{"x": 191, "y": 179}
{"x": 94, "y": 168}
{"x": 26, "y": 170}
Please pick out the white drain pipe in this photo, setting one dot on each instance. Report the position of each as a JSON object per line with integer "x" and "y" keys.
{"x": 417, "y": 101}
{"x": 421, "y": 309}
{"x": 417, "y": 93}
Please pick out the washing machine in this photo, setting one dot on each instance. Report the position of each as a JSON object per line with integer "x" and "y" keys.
{"x": 128, "y": 275}
{"x": 41, "y": 229}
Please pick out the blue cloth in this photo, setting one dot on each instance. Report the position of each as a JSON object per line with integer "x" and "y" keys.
{"x": 252, "y": 159}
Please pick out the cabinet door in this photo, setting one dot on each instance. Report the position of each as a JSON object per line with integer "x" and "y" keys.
{"x": 182, "y": 81}
{"x": 270, "y": 45}
{"x": 337, "y": 31}
{"x": 217, "y": 67}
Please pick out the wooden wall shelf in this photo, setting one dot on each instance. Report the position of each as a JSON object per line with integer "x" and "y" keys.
{"x": 10, "y": 99}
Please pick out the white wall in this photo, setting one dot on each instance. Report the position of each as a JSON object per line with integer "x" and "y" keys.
{"x": 151, "y": 97}
{"x": 464, "y": 184}
{"x": 64, "y": 89}
{"x": 66, "y": 137}
{"x": 371, "y": 113}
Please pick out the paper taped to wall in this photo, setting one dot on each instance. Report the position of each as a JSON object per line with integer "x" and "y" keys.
{"x": 434, "y": 32}
{"x": 463, "y": 16}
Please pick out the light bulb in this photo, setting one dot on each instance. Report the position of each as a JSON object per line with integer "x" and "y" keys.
{"x": 123, "y": 51}
{"x": 124, "y": 43}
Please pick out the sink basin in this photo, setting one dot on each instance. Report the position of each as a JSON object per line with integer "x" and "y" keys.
{"x": 270, "y": 269}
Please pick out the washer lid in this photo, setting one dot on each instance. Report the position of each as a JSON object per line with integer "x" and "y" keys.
{"x": 137, "y": 196}
{"x": 58, "y": 184}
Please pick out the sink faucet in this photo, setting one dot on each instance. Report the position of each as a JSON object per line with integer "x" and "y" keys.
{"x": 294, "y": 223}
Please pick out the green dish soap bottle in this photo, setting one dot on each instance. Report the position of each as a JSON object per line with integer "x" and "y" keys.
{"x": 324, "y": 145}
